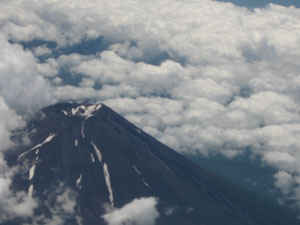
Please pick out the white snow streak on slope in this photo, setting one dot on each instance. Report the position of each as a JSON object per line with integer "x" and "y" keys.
{"x": 65, "y": 112}
{"x": 75, "y": 110}
{"x": 82, "y": 130}
{"x": 139, "y": 173}
{"x": 136, "y": 170}
{"x": 105, "y": 171}
{"x": 92, "y": 157}
{"x": 76, "y": 142}
{"x": 48, "y": 139}
{"x": 98, "y": 106}
{"x": 36, "y": 153}
{"x": 30, "y": 190}
{"x": 78, "y": 181}
{"x": 146, "y": 184}
{"x": 138, "y": 130}
{"x": 98, "y": 153}
{"x": 31, "y": 172}
{"x": 108, "y": 184}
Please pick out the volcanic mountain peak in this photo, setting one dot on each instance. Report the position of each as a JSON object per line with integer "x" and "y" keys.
{"x": 106, "y": 160}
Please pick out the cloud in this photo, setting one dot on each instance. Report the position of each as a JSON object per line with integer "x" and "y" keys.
{"x": 21, "y": 86}
{"x": 140, "y": 211}
{"x": 284, "y": 181}
{"x": 41, "y": 51}
{"x": 9, "y": 120}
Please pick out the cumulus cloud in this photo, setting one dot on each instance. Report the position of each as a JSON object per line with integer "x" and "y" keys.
{"x": 22, "y": 88}
{"x": 284, "y": 181}
{"x": 202, "y": 76}
{"x": 9, "y": 120}
{"x": 140, "y": 211}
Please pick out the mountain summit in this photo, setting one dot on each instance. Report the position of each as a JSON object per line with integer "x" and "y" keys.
{"x": 90, "y": 163}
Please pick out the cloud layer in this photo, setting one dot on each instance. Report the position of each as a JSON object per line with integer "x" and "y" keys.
{"x": 202, "y": 76}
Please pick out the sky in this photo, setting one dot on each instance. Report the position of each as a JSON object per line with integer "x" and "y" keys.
{"x": 263, "y": 3}
{"x": 204, "y": 77}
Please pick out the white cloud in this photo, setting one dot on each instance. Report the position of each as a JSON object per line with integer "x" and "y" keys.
{"x": 24, "y": 206}
{"x": 21, "y": 86}
{"x": 9, "y": 120}
{"x": 42, "y": 50}
{"x": 140, "y": 211}
{"x": 66, "y": 201}
{"x": 169, "y": 211}
{"x": 284, "y": 181}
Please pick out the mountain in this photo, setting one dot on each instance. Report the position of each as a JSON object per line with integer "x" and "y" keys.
{"x": 105, "y": 162}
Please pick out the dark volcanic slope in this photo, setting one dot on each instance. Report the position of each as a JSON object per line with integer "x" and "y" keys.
{"x": 106, "y": 159}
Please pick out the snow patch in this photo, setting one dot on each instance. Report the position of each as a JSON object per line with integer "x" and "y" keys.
{"x": 37, "y": 151}
{"x": 98, "y": 106}
{"x": 31, "y": 172}
{"x": 89, "y": 111}
{"x": 30, "y": 190}
{"x": 76, "y": 142}
{"x": 75, "y": 110}
{"x": 140, "y": 174}
{"x": 146, "y": 184}
{"x": 86, "y": 111}
{"x": 48, "y": 139}
{"x": 92, "y": 157}
{"x": 136, "y": 170}
{"x": 65, "y": 112}
{"x": 78, "y": 181}
{"x": 138, "y": 130}
{"x": 82, "y": 130}
{"x": 98, "y": 153}
{"x": 108, "y": 184}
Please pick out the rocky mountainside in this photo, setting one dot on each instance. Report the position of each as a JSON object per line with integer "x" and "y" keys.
{"x": 105, "y": 162}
